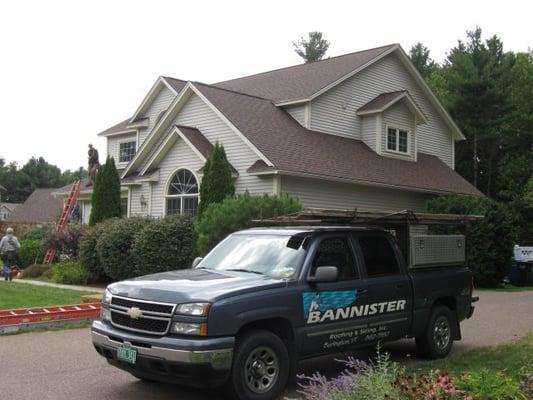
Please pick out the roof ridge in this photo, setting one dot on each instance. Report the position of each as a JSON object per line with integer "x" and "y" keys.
{"x": 171, "y": 77}
{"x": 231, "y": 91}
{"x": 299, "y": 65}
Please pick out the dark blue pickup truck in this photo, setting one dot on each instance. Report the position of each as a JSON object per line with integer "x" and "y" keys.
{"x": 265, "y": 298}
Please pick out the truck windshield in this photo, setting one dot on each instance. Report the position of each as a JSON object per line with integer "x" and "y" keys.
{"x": 275, "y": 256}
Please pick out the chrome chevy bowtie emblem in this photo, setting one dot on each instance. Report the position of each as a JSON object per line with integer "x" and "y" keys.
{"x": 134, "y": 313}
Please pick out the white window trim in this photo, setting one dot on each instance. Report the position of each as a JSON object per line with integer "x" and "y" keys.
{"x": 121, "y": 163}
{"x": 171, "y": 196}
{"x": 403, "y": 153}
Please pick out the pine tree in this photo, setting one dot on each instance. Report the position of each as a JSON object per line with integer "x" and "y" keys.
{"x": 217, "y": 182}
{"x": 106, "y": 193}
{"x": 204, "y": 187}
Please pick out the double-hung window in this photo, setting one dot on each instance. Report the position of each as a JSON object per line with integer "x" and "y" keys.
{"x": 126, "y": 151}
{"x": 397, "y": 140}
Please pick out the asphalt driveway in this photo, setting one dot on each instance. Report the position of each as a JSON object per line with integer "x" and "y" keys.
{"x": 62, "y": 365}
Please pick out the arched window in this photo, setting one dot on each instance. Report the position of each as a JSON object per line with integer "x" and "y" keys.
{"x": 182, "y": 194}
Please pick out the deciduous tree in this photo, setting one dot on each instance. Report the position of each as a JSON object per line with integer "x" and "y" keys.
{"x": 312, "y": 49}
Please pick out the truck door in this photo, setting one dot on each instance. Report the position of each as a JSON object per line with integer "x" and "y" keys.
{"x": 327, "y": 326}
{"x": 388, "y": 290}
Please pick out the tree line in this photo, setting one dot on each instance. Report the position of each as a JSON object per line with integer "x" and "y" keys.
{"x": 20, "y": 182}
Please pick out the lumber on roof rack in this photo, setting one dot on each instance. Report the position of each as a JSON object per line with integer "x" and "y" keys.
{"x": 323, "y": 216}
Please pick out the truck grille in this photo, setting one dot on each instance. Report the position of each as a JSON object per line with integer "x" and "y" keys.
{"x": 155, "y": 318}
{"x": 143, "y": 305}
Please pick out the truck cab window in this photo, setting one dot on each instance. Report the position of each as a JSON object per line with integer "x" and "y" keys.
{"x": 379, "y": 256}
{"x": 335, "y": 252}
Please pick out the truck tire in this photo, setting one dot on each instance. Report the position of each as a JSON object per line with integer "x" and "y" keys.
{"x": 260, "y": 367}
{"x": 437, "y": 340}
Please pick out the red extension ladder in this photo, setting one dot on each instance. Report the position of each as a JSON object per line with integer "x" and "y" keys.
{"x": 65, "y": 215}
{"x": 46, "y": 314}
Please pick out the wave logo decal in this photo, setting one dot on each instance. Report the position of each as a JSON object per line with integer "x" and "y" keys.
{"x": 323, "y": 301}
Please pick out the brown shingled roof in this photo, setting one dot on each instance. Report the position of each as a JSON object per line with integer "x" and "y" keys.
{"x": 304, "y": 80}
{"x": 121, "y": 126}
{"x": 40, "y": 207}
{"x": 377, "y": 103}
{"x": 177, "y": 84}
{"x": 295, "y": 149}
{"x": 198, "y": 140}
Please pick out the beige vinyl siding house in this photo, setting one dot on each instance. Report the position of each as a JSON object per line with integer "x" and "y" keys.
{"x": 360, "y": 130}
{"x": 336, "y": 195}
{"x": 333, "y": 112}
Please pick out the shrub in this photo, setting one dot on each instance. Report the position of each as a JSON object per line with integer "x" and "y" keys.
{"x": 485, "y": 385}
{"x": 69, "y": 272}
{"x": 360, "y": 380}
{"x": 526, "y": 377}
{"x": 164, "y": 245}
{"x": 114, "y": 246}
{"x": 489, "y": 241}
{"x": 434, "y": 385}
{"x": 106, "y": 193}
{"x": 36, "y": 233}
{"x": 89, "y": 258}
{"x": 66, "y": 242}
{"x": 30, "y": 252}
{"x": 221, "y": 219}
{"x": 35, "y": 271}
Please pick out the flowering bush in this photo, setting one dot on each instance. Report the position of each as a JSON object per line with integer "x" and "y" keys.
{"x": 432, "y": 386}
{"x": 360, "y": 380}
{"x": 67, "y": 241}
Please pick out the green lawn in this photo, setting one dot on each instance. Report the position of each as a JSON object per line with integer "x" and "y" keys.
{"x": 21, "y": 295}
{"x": 507, "y": 357}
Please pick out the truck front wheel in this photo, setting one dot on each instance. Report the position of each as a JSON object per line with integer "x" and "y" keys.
{"x": 437, "y": 340}
{"x": 260, "y": 366}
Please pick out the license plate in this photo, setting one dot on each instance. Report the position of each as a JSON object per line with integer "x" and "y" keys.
{"x": 127, "y": 353}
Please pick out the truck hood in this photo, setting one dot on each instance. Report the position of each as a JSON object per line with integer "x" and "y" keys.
{"x": 192, "y": 285}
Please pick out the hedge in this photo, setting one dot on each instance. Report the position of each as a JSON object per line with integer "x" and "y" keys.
{"x": 114, "y": 246}
{"x": 233, "y": 214}
{"x": 164, "y": 245}
{"x": 70, "y": 272}
{"x": 490, "y": 241}
{"x": 89, "y": 257}
{"x": 35, "y": 271}
{"x": 30, "y": 252}
{"x": 36, "y": 233}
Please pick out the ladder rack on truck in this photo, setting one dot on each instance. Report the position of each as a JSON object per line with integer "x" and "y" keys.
{"x": 420, "y": 250}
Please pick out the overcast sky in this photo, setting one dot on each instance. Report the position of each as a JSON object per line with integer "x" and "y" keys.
{"x": 70, "y": 69}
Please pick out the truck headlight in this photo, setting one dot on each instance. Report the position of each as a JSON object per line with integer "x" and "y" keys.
{"x": 186, "y": 328}
{"x": 106, "y": 299}
{"x": 195, "y": 309}
{"x": 105, "y": 314}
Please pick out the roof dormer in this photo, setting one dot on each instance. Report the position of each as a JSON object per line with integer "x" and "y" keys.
{"x": 388, "y": 124}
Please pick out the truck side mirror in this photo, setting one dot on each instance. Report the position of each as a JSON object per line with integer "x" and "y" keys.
{"x": 324, "y": 274}
{"x": 196, "y": 261}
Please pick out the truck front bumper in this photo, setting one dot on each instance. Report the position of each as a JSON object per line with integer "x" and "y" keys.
{"x": 167, "y": 359}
